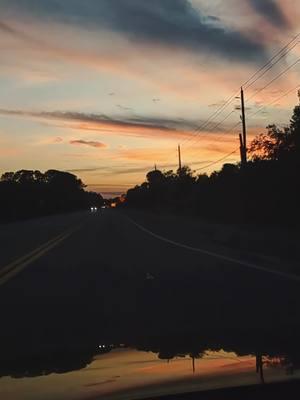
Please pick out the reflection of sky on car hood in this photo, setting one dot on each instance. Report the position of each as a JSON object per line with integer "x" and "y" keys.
{"x": 116, "y": 374}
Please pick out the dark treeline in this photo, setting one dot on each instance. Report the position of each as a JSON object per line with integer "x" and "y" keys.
{"x": 264, "y": 191}
{"x": 26, "y": 194}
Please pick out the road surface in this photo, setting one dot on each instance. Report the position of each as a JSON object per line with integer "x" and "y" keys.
{"x": 73, "y": 281}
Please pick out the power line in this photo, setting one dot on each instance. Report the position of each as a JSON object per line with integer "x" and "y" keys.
{"x": 228, "y": 130}
{"x": 216, "y": 161}
{"x": 237, "y": 124}
{"x": 261, "y": 109}
{"x": 273, "y": 58}
{"x": 231, "y": 98}
{"x": 211, "y": 118}
{"x": 258, "y": 91}
{"x": 251, "y": 115}
{"x": 215, "y": 126}
{"x": 274, "y": 101}
{"x": 258, "y": 111}
{"x": 264, "y": 69}
{"x": 233, "y": 127}
{"x": 272, "y": 65}
{"x": 274, "y": 79}
{"x": 225, "y": 105}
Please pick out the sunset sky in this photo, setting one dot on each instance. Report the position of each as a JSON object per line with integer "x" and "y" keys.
{"x": 108, "y": 88}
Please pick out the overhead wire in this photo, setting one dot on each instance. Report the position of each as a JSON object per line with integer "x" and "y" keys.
{"x": 247, "y": 84}
{"x": 282, "y": 53}
{"x": 259, "y": 90}
{"x": 216, "y": 161}
{"x": 207, "y": 122}
{"x": 215, "y": 126}
{"x": 272, "y": 65}
{"x": 255, "y": 113}
{"x": 272, "y": 59}
{"x": 274, "y": 101}
{"x": 274, "y": 79}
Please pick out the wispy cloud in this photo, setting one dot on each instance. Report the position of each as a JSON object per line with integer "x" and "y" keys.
{"x": 135, "y": 126}
{"x": 91, "y": 169}
{"x": 88, "y": 143}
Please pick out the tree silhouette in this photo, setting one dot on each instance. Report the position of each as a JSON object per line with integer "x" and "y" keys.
{"x": 155, "y": 177}
{"x": 274, "y": 145}
{"x": 265, "y": 192}
{"x": 278, "y": 144}
{"x": 30, "y": 193}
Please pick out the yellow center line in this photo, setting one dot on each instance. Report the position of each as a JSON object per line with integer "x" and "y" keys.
{"x": 12, "y": 269}
{"x": 14, "y": 263}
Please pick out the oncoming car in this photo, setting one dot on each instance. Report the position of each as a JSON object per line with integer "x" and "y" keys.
{"x": 94, "y": 209}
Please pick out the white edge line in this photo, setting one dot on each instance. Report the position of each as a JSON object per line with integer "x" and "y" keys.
{"x": 216, "y": 255}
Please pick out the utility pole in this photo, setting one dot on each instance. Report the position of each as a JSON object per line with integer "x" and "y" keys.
{"x": 244, "y": 134}
{"x": 241, "y": 149}
{"x": 179, "y": 158}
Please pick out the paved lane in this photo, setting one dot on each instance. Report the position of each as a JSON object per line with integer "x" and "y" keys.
{"x": 20, "y": 238}
{"x": 108, "y": 280}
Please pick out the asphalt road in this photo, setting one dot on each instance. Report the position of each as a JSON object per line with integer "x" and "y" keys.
{"x": 73, "y": 281}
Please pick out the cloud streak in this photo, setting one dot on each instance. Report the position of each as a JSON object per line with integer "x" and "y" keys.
{"x": 90, "y": 143}
{"x": 135, "y": 126}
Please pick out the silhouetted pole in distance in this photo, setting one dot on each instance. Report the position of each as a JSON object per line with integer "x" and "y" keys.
{"x": 179, "y": 158}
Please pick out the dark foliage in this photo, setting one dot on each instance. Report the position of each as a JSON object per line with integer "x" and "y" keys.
{"x": 265, "y": 191}
{"x": 26, "y": 194}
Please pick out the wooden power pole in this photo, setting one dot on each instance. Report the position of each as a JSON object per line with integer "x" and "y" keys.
{"x": 243, "y": 142}
{"x": 241, "y": 148}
